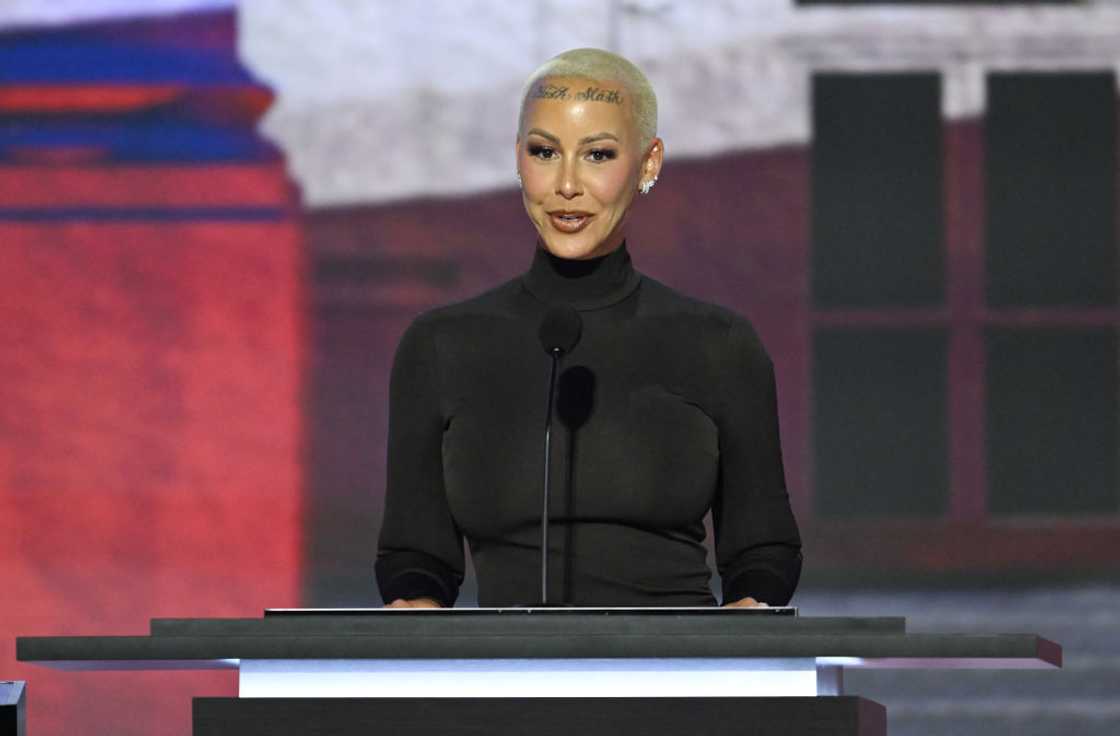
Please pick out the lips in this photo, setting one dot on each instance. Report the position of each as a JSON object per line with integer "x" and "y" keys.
{"x": 569, "y": 221}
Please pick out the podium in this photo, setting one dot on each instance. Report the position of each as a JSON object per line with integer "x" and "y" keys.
{"x": 12, "y": 698}
{"x": 539, "y": 671}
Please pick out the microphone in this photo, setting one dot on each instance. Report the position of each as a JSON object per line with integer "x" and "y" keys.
{"x": 559, "y": 332}
{"x": 560, "y": 329}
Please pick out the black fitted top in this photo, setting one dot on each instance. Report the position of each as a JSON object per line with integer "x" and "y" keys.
{"x": 665, "y": 409}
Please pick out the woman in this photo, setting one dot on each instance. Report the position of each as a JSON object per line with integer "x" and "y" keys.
{"x": 666, "y": 406}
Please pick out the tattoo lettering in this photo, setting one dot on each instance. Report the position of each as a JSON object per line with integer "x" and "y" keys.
{"x": 594, "y": 94}
{"x": 549, "y": 92}
{"x": 600, "y": 95}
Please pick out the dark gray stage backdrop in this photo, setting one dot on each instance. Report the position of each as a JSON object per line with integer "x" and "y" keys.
{"x": 939, "y": 298}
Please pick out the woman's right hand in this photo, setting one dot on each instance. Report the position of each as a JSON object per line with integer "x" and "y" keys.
{"x": 414, "y": 603}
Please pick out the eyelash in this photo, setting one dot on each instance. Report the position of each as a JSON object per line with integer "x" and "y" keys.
{"x": 607, "y": 154}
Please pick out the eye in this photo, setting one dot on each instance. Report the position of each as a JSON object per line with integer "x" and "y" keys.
{"x": 541, "y": 152}
{"x": 602, "y": 154}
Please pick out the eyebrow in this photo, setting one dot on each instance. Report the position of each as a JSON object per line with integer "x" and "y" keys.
{"x": 586, "y": 139}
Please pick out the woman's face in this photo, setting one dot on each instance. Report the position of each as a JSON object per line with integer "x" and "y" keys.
{"x": 580, "y": 165}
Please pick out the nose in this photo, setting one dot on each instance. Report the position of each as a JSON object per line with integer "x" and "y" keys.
{"x": 569, "y": 186}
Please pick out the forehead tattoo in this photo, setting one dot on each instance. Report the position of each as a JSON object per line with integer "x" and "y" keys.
{"x": 549, "y": 91}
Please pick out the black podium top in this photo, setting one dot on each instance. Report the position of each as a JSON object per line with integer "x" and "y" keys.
{"x": 511, "y": 633}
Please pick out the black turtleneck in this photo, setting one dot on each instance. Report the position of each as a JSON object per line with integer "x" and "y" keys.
{"x": 585, "y": 284}
{"x": 665, "y": 409}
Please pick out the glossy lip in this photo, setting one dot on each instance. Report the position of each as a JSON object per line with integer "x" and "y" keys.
{"x": 577, "y": 213}
{"x": 570, "y": 227}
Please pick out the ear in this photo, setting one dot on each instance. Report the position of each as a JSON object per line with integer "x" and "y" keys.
{"x": 651, "y": 165}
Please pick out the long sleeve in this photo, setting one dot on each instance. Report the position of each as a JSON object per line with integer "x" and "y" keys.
{"x": 420, "y": 548}
{"x": 758, "y": 547}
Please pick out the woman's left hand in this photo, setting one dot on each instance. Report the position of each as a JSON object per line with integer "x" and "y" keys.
{"x": 747, "y": 602}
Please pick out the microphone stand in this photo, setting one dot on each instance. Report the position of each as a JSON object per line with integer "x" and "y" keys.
{"x": 559, "y": 332}
{"x": 555, "y": 353}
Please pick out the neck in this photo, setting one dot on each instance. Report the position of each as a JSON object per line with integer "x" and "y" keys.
{"x": 588, "y": 283}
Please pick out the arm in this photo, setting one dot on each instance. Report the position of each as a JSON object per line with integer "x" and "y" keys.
{"x": 758, "y": 547}
{"x": 420, "y": 549}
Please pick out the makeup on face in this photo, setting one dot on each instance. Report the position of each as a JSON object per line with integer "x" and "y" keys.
{"x": 577, "y": 171}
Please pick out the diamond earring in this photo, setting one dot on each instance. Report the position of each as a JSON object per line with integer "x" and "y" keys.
{"x": 647, "y": 185}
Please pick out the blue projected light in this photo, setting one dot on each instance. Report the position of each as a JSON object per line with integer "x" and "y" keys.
{"x": 203, "y": 107}
{"x": 136, "y": 138}
{"x": 195, "y": 48}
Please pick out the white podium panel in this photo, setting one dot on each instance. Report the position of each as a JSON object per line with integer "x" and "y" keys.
{"x": 529, "y": 678}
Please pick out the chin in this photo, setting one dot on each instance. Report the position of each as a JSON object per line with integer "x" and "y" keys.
{"x": 571, "y": 247}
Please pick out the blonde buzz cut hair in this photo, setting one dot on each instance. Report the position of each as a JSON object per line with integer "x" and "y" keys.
{"x": 599, "y": 65}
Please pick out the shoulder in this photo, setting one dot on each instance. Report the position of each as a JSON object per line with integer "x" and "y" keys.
{"x": 485, "y": 306}
{"x": 725, "y": 330}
